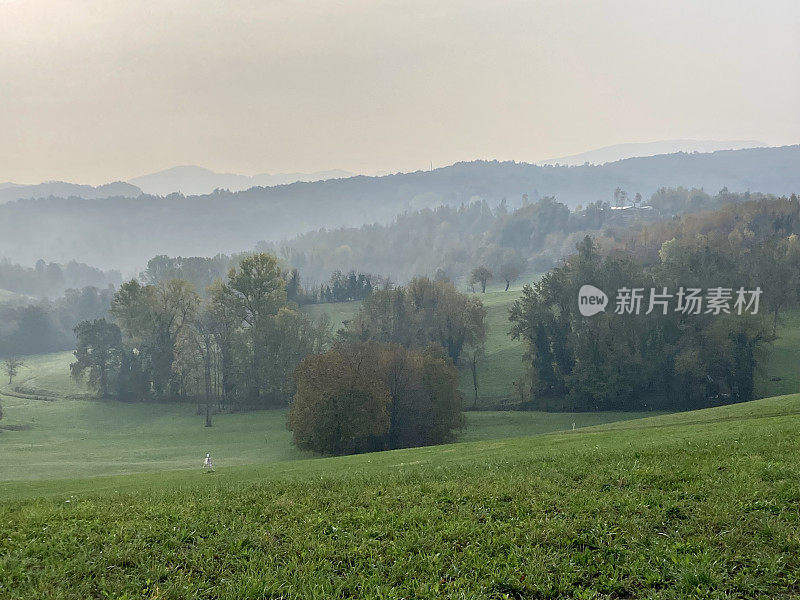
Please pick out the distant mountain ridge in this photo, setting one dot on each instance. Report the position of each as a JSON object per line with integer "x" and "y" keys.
{"x": 61, "y": 189}
{"x": 607, "y": 154}
{"x": 125, "y": 233}
{"x": 191, "y": 180}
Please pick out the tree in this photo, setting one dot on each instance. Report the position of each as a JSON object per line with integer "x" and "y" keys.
{"x": 611, "y": 361}
{"x": 422, "y": 312}
{"x": 481, "y": 275}
{"x": 440, "y": 378}
{"x": 238, "y": 349}
{"x": 132, "y": 309}
{"x": 205, "y": 325}
{"x": 369, "y": 396}
{"x": 293, "y": 289}
{"x": 475, "y": 355}
{"x": 153, "y": 319}
{"x": 620, "y": 197}
{"x": 342, "y": 404}
{"x": 291, "y": 336}
{"x": 99, "y": 351}
{"x": 173, "y": 313}
{"x": 224, "y": 321}
{"x": 11, "y": 365}
{"x": 258, "y": 291}
{"x": 510, "y": 267}
{"x": 426, "y": 404}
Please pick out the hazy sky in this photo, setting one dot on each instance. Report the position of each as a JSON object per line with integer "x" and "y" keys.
{"x": 110, "y": 89}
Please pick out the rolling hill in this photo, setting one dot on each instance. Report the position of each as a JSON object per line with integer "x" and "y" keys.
{"x": 92, "y": 231}
{"x": 700, "y": 504}
{"x": 61, "y": 189}
{"x": 192, "y": 180}
{"x": 600, "y": 156}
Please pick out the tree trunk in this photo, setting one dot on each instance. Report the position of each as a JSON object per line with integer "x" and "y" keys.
{"x": 207, "y": 365}
{"x": 103, "y": 381}
{"x": 475, "y": 379}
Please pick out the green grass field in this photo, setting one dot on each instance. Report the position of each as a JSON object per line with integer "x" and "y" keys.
{"x": 502, "y": 363}
{"x": 339, "y": 312}
{"x": 47, "y": 375}
{"x": 704, "y": 504}
{"x": 66, "y": 436}
{"x": 780, "y": 372}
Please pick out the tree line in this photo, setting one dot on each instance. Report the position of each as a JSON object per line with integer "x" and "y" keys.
{"x": 50, "y": 280}
{"x": 90, "y": 230}
{"x": 475, "y": 243}
{"x": 239, "y": 344}
{"x": 39, "y": 326}
{"x": 388, "y": 380}
{"x": 613, "y": 361}
{"x": 236, "y": 347}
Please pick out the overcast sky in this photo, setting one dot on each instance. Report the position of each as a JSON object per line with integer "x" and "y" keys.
{"x": 110, "y": 89}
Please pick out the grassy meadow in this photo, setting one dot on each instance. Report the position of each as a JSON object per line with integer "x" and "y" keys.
{"x": 52, "y": 428}
{"x": 60, "y": 434}
{"x": 339, "y": 312}
{"x": 779, "y": 372}
{"x": 703, "y": 504}
{"x": 501, "y": 364}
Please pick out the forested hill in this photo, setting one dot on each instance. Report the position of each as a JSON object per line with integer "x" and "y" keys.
{"x": 125, "y": 232}
{"x": 12, "y": 191}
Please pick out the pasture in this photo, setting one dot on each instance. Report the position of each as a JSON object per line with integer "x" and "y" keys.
{"x": 60, "y": 434}
{"x": 701, "y": 504}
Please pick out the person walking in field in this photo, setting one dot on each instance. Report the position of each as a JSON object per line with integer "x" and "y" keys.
{"x": 208, "y": 465}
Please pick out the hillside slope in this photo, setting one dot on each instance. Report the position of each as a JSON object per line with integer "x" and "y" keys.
{"x": 697, "y": 505}
{"x": 60, "y": 189}
{"x": 599, "y": 156}
{"x": 89, "y": 230}
{"x": 193, "y": 180}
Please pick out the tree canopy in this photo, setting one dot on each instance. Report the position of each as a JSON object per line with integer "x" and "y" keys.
{"x": 368, "y": 396}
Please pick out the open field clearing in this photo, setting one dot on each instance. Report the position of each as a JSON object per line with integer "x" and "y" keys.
{"x": 66, "y": 437}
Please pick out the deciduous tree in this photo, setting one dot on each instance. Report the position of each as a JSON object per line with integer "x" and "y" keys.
{"x": 11, "y": 365}
{"x": 481, "y": 275}
{"x": 99, "y": 351}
